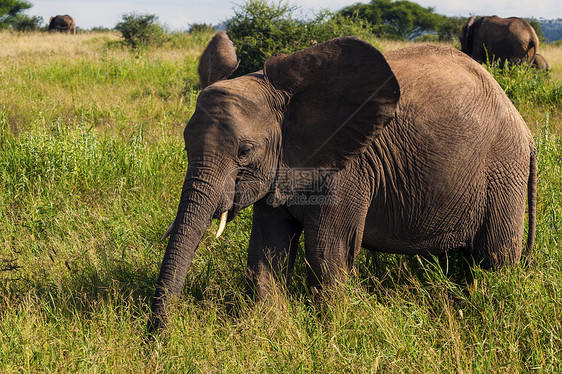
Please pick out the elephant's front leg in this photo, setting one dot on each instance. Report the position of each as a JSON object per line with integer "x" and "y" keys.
{"x": 273, "y": 247}
{"x": 332, "y": 236}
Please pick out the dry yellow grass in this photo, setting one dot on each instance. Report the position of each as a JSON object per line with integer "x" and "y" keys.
{"x": 553, "y": 55}
{"x": 19, "y": 44}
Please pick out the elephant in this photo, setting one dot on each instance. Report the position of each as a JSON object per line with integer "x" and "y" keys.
{"x": 221, "y": 56}
{"x": 418, "y": 151}
{"x": 541, "y": 63}
{"x": 62, "y": 24}
{"x": 512, "y": 39}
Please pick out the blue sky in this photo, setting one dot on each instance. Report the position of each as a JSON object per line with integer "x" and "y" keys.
{"x": 178, "y": 14}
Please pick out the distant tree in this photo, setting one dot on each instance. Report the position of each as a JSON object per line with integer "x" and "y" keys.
{"x": 260, "y": 29}
{"x": 100, "y": 29}
{"x": 450, "y": 28}
{"x": 23, "y": 22}
{"x": 140, "y": 30}
{"x": 10, "y": 9}
{"x": 399, "y": 19}
{"x": 201, "y": 28}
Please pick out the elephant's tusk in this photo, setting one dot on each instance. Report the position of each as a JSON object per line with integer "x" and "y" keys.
{"x": 222, "y": 224}
{"x": 168, "y": 232}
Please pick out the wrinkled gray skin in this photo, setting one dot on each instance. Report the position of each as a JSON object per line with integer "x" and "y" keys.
{"x": 62, "y": 24}
{"x": 430, "y": 157}
{"x": 541, "y": 63}
{"x": 512, "y": 39}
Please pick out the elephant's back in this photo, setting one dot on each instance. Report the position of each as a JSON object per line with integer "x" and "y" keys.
{"x": 443, "y": 84}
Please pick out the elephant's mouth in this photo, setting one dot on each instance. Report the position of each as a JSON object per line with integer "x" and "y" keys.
{"x": 245, "y": 194}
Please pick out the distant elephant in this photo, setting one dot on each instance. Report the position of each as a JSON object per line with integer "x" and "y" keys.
{"x": 418, "y": 151}
{"x": 541, "y": 63}
{"x": 62, "y": 24}
{"x": 512, "y": 39}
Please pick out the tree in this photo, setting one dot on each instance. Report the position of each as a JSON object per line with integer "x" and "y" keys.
{"x": 260, "y": 29}
{"x": 23, "y": 22}
{"x": 9, "y": 11}
{"x": 400, "y": 19}
{"x": 140, "y": 30}
{"x": 450, "y": 28}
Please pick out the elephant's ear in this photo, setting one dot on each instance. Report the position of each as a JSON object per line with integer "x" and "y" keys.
{"x": 218, "y": 61}
{"x": 342, "y": 93}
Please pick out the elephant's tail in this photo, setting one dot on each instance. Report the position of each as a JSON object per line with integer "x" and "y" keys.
{"x": 532, "y": 201}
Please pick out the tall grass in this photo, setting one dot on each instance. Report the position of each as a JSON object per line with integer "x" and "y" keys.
{"x": 535, "y": 93}
{"x": 91, "y": 164}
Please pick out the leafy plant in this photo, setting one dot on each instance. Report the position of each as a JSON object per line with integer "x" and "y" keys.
{"x": 395, "y": 19}
{"x": 260, "y": 30}
{"x": 201, "y": 28}
{"x": 10, "y": 9}
{"x": 23, "y": 22}
{"x": 527, "y": 86}
{"x": 450, "y": 28}
{"x": 140, "y": 30}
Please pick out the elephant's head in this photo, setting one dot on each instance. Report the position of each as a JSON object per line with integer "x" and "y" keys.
{"x": 466, "y": 36}
{"x": 316, "y": 108}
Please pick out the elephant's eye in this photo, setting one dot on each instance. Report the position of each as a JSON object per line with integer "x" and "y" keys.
{"x": 245, "y": 150}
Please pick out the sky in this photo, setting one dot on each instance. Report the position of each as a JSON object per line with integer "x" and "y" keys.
{"x": 177, "y": 15}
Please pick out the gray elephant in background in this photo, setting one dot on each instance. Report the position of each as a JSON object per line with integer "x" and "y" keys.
{"x": 512, "y": 39}
{"x": 418, "y": 151}
{"x": 541, "y": 63}
{"x": 62, "y": 24}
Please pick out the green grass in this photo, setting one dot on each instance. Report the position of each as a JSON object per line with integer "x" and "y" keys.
{"x": 91, "y": 165}
{"x": 534, "y": 92}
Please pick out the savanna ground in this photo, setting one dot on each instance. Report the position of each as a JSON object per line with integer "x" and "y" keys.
{"x": 91, "y": 165}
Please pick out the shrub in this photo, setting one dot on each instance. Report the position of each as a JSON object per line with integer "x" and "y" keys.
{"x": 526, "y": 86}
{"x": 450, "y": 28}
{"x": 427, "y": 38}
{"x": 196, "y": 28}
{"x": 140, "y": 30}
{"x": 396, "y": 19}
{"x": 23, "y": 22}
{"x": 260, "y": 30}
{"x": 10, "y": 10}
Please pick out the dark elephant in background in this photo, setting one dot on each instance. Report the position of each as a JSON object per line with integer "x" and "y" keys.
{"x": 62, "y": 24}
{"x": 512, "y": 39}
{"x": 541, "y": 63}
{"x": 418, "y": 151}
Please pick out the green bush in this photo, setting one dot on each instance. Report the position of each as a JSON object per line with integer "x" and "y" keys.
{"x": 10, "y": 10}
{"x": 260, "y": 30}
{"x": 196, "y": 28}
{"x": 427, "y": 38}
{"x": 526, "y": 86}
{"x": 23, "y": 22}
{"x": 396, "y": 19}
{"x": 140, "y": 31}
{"x": 450, "y": 28}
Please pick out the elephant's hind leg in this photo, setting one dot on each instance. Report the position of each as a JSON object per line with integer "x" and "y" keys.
{"x": 499, "y": 240}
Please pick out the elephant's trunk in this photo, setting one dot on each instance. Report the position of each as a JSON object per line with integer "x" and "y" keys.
{"x": 201, "y": 197}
